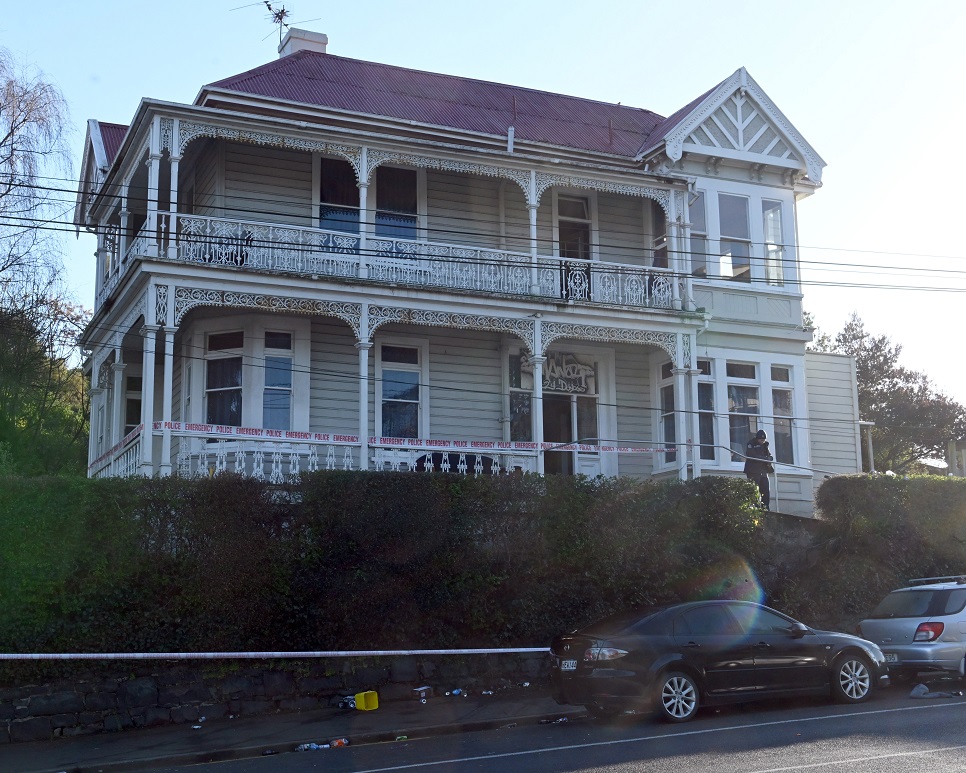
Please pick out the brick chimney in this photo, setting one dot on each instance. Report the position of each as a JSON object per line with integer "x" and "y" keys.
{"x": 302, "y": 40}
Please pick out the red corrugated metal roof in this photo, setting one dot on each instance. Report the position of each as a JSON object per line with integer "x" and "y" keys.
{"x": 659, "y": 132}
{"x": 444, "y": 100}
{"x": 113, "y": 135}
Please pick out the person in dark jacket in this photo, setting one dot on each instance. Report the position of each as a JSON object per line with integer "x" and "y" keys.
{"x": 758, "y": 463}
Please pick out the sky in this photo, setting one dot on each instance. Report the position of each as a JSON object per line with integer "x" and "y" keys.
{"x": 875, "y": 86}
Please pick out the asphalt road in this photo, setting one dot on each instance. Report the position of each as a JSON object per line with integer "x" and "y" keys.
{"x": 890, "y": 733}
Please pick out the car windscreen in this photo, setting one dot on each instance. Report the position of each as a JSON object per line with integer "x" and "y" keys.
{"x": 905, "y": 603}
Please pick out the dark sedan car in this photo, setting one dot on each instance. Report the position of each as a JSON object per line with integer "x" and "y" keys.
{"x": 675, "y": 658}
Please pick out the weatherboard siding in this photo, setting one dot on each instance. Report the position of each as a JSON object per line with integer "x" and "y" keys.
{"x": 634, "y": 422}
{"x": 465, "y": 386}
{"x": 833, "y": 413}
{"x": 462, "y": 209}
{"x": 268, "y": 184}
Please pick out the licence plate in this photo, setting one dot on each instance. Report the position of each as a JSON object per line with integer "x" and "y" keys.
{"x": 891, "y": 657}
{"x": 568, "y": 665}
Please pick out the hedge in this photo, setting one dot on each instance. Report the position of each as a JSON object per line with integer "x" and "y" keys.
{"x": 356, "y": 560}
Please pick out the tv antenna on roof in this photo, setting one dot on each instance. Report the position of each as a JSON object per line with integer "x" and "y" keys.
{"x": 277, "y": 16}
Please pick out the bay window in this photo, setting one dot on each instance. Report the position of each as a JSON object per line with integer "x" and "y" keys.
{"x": 256, "y": 375}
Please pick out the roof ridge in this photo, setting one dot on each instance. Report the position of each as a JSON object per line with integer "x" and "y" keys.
{"x": 291, "y": 59}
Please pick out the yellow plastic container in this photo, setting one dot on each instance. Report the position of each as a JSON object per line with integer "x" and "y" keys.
{"x": 367, "y": 701}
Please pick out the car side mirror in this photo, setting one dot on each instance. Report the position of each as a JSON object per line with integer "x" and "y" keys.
{"x": 797, "y": 630}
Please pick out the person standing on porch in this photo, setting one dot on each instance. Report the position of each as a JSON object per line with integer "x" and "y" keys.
{"x": 758, "y": 464}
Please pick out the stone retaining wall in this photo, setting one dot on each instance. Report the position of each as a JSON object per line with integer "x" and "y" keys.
{"x": 170, "y": 693}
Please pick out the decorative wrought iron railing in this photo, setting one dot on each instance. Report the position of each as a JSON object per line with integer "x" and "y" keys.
{"x": 274, "y": 247}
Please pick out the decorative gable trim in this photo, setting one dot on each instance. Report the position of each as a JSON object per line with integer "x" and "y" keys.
{"x": 739, "y": 120}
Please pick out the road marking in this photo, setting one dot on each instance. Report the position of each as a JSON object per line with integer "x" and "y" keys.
{"x": 853, "y": 760}
{"x": 706, "y": 731}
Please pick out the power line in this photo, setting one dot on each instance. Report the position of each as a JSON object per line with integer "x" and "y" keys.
{"x": 522, "y": 222}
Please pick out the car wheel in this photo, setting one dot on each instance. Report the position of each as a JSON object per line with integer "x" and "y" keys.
{"x": 677, "y": 697}
{"x": 851, "y": 679}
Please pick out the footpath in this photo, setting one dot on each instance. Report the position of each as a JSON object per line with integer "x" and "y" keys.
{"x": 284, "y": 733}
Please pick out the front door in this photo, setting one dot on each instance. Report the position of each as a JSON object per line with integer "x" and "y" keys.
{"x": 558, "y": 427}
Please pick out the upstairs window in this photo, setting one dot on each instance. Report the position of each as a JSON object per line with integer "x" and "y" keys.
{"x": 338, "y": 197}
{"x": 735, "y": 242}
{"x": 699, "y": 236}
{"x": 658, "y": 235}
{"x": 397, "y": 201}
{"x": 771, "y": 216}
{"x": 573, "y": 227}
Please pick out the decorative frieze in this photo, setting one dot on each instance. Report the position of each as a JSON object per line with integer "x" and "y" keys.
{"x": 551, "y": 331}
{"x": 161, "y": 304}
{"x": 187, "y": 298}
{"x": 660, "y": 195}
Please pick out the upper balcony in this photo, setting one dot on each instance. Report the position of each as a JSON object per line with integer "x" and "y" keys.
{"x": 315, "y": 253}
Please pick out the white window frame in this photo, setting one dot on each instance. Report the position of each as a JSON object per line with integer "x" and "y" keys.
{"x": 253, "y": 361}
{"x": 593, "y": 221}
{"x": 756, "y": 194}
{"x": 749, "y": 242}
{"x": 422, "y": 346}
{"x": 705, "y": 259}
{"x": 707, "y": 380}
{"x": 766, "y": 419}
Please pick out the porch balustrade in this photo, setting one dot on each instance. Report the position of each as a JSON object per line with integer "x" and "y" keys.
{"x": 121, "y": 461}
{"x": 271, "y": 460}
{"x": 315, "y": 252}
{"x": 203, "y": 450}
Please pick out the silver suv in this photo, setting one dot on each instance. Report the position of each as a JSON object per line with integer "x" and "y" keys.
{"x": 922, "y": 627}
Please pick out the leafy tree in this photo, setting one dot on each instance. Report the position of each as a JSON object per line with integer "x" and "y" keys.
{"x": 42, "y": 395}
{"x": 913, "y": 422}
{"x": 43, "y": 399}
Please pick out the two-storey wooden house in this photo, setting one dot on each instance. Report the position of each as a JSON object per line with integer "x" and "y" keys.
{"x": 332, "y": 263}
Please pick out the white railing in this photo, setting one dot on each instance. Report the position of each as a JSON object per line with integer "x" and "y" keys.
{"x": 314, "y": 252}
{"x": 447, "y": 457}
{"x": 138, "y": 247}
{"x": 451, "y": 266}
{"x": 121, "y": 461}
{"x": 266, "y": 246}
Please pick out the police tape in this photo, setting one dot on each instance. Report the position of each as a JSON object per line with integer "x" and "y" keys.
{"x": 416, "y": 444}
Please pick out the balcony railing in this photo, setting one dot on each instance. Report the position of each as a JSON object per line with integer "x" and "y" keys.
{"x": 314, "y": 252}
